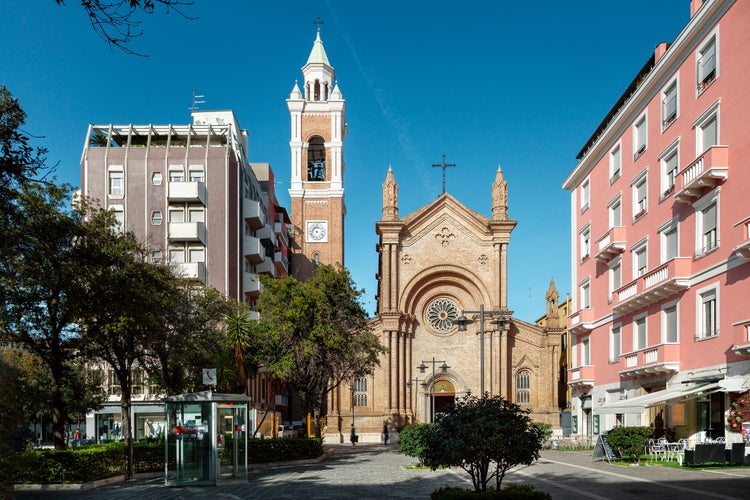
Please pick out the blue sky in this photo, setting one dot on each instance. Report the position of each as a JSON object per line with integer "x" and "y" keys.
{"x": 520, "y": 84}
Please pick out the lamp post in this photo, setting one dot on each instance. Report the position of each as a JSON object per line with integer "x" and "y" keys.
{"x": 462, "y": 321}
{"x": 422, "y": 368}
{"x": 409, "y": 384}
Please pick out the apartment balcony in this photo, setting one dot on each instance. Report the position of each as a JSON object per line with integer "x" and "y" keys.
{"x": 251, "y": 284}
{"x": 266, "y": 233}
{"x": 705, "y": 173}
{"x": 581, "y": 377}
{"x": 743, "y": 250}
{"x": 253, "y": 250}
{"x": 254, "y": 213}
{"x": 668, "y": 279}
{"x": 282, "y": 263}
{"x": 267, "y": 267}
{"x": 191, "y": 270}
{"x": 188, "y": 231}
{"x": 281, "y": 235}
{"x": 612, "y": 243}
{"x": 656, "y": 360}
{"x": 254, "y": 315}
{"x": 581, "y": 321}
{"x": 192, "y": 192}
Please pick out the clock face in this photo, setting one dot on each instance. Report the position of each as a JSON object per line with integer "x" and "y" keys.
{"x": 316, "y": 231}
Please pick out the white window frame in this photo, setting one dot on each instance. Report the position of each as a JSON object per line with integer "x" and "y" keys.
{"x": 585, "y": 239}
{"x": 711, "y": 114}
{"x": 176, "y": 252}
{"x": 116, "y": 190}
{"x": 704, "y": 78}
{"x": 177, "y": 173}
{"x": 615, "y": 269}
{"x": 585, "y": 293}
{"x": 615, "y": 342}
{"x": 196, "y": 173}
{"x": 640, "y": 131}
{"x": 665, "y": 325}
{"x": 157, "y": 218}
{"x": 668, "y": 228}
{"x": 119, "y": 212}
{"x": 199, "y": 252}
{"x": 586, "y": 351}
{"x": 585, "y": 195}
{"x": 193, "y": 211}
{"x": 670, "y": 93}
{"x": 668, "y": 168}
{"x": 637, "y": 320}
{"x": 615, "y": 163}
{"x": 172, "y": 213}
{"x": 702, "y": 297}
{"x": 640, "y": 205}
{"x": 614, "y": 208}
{"x": 636, "y": 250}
{"x": 700, "y": 206}
{"x": 156, "y": 178}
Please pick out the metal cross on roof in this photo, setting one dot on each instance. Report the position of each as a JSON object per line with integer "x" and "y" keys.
{"x": 318, "y": 22}
{"x": 443, "y": 165}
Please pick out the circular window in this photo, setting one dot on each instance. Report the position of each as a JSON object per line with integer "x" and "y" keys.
{"x": 441, "y": 314}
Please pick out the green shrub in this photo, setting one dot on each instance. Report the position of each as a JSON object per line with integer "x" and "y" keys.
{"x": 630, "y": 441}
{"x": 511, "y": 491}
{"x": 281, "y": 450}
{"x": 85, "y": 464}
{"x": 413, "y": 440}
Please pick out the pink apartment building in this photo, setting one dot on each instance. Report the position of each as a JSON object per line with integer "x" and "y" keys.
{"x": 660, "y": 240}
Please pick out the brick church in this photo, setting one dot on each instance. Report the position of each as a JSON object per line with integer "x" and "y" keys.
{"x": 442, "y": 309}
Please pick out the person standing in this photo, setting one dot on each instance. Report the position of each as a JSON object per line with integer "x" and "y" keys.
{"x": 76, "y": 436}
{"x": 385, "y": 433}
{"x": 353, "y": 435}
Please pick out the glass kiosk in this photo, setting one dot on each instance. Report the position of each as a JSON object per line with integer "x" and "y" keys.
{"x": 206, "y": 438}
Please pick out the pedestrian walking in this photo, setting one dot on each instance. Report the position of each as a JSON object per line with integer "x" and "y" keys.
{"x": 353, "y": 435}
{"x": 385, "y": 433}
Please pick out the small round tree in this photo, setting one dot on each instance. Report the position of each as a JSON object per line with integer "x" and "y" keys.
{"x": 477, "y": 433}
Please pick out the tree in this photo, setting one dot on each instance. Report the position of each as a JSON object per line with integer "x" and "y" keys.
{"x": 122, "y": 306}
{"x": 318, "y": 334}
{"x": 117, "y": 20}
{"x": 475, "y": 433}
{"x": 192, "y": 338}
{"x": 38, "y": 271}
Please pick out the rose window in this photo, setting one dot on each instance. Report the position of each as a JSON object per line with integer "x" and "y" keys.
{"x": 441, "y": 314}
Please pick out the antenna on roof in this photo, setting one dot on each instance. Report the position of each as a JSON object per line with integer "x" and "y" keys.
{"x": 197, "y": 99}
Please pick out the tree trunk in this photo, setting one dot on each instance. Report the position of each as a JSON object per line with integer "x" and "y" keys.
{"x": 125, "y": 403}
{"x": 58, "y": 417}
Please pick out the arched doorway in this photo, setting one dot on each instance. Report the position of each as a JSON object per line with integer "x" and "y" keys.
{"x": 444, "y": 394}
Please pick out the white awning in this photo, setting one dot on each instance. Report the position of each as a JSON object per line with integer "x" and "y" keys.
{"x": 640, "y": 403}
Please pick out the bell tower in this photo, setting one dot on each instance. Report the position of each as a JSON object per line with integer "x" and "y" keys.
{"x": 318, "y": 130}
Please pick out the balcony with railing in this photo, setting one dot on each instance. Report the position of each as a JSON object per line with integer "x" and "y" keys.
{"x": 581, "y": 321}
{"x": 705, "y": 173}
{"x": 188, "y": 231}
{"x": 668, "y": 279}
{"x": 581, "y": 376}
{"x": 253, "y": 250}
{"x": 251, "y": 284}
{"x": 282, "y": 263}
{"x": 268, "y": 266}
{"x": 281, "y": 234}
{"x": 254, "y": 213}
{"x": 655, "y": 360}
{"x": 191, "y": 270}
{"x": 191, "y": 192}
{"x": 743, "y": 249}
{"x": 612, "y": 243}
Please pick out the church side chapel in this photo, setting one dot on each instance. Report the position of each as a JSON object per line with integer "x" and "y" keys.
{"x": 443, "y": 314}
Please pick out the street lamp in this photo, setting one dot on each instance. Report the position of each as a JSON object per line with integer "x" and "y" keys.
{"x": 423, "y": 368}
{"x": 462, "y": 321}
{"x": 409, "y": 384}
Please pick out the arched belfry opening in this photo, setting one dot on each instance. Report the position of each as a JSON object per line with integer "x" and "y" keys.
{"x": 316, "y": 87}
{"x": 316, "y": 159}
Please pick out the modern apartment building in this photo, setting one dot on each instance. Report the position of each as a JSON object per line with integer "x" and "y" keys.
{"x": 191, "y": 194}
{"x": 660, "y": 321}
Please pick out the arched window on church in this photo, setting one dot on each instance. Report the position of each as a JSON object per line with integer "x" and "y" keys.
{"x": 316, "y": 260}
{"x": 317, "y": 90}
{"x": 523, "y": 387}
{"x": 360, "y": 391}
{"x": 316, "y": 159}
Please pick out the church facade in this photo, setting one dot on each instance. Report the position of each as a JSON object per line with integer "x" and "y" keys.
{"x": 437, "y": 265}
